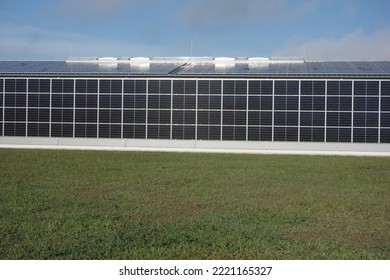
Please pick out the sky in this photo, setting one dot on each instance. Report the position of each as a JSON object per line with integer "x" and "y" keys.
{"x": 313, "y": 29}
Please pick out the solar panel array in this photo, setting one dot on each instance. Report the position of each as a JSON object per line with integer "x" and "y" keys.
{"x": 236, "y": 109}
{"x": 187, "y": 67}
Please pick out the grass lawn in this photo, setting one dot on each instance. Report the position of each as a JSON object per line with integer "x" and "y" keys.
{"x": 133, "y": 205}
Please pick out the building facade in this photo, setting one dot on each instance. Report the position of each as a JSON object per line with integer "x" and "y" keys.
{"x": 236, "y": 102}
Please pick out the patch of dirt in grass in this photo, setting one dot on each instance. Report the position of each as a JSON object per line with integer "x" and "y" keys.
{"x": 364, "y": 237}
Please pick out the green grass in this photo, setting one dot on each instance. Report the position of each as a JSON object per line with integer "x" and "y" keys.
{"x": 128, "y": 205}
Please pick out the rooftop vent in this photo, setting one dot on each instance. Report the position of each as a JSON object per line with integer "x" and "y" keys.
{"x": 107, "y": 58}
{"x": 140, "y": 59}
{"x": 224, "y": 62}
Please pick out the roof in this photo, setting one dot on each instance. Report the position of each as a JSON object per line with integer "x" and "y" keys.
{"x": 198, "y": 66}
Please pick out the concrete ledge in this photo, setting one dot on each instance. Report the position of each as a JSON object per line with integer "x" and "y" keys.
{"x": 197, "y": 146}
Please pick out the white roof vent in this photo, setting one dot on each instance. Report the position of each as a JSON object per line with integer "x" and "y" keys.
{"x": 107, "y": 58}
{"x": 107, "y": 63}
{"x": 139, "y": 59}
{"x": 224, "y": 59}
{"x": 224, "y": 62}
{"x": 258, "y": 59}
{"x": 140, "y": 64}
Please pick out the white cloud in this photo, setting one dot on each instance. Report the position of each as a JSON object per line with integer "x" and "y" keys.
{"x": 353, "y": 46}
{"x": 26, "y": 43}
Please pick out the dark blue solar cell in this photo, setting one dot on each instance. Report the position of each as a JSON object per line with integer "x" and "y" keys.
{"x": 280, "y": 87}
{"x": 385, "y": 120}
{"x": 385, "y": 136}
{"x": 254, "y": 87}
{"x": 385, "y": 88}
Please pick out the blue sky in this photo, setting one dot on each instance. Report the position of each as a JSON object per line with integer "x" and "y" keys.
{"x": 316, "y": 29}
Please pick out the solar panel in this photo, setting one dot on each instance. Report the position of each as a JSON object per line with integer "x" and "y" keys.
{"x": 197, "y": 66}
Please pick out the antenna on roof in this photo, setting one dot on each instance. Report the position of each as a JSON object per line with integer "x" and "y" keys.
{"x": 191, "y": 48}
{"x": 70, "y": 49}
